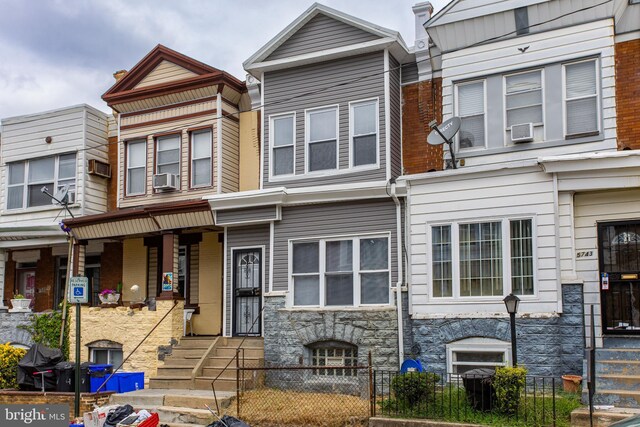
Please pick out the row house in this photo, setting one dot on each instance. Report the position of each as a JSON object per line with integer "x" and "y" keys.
{"x": 545, "y": 202}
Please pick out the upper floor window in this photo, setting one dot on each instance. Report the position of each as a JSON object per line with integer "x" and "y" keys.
{"x": 27, "y": 178}
{"x": 523, "y": 101}
{"x": 201, "y": 158}
{"x": 136, "y": 167}
{"x": 322, "y": 139}
{"x": 168, "y": 154}
{"x": 581, "y": 98}
{"x": 283, "y": 144}
{"x": 471, "y": 259}
{"x": 470, "y": 107}
{"x": 364, "y": 133}
{"x": 341, "y": 272}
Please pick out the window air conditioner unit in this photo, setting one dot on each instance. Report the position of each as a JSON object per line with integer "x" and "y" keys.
{"x": 165, "y": 181}
{"x": 98, "y": 168}
{"x": 522, "y": 132}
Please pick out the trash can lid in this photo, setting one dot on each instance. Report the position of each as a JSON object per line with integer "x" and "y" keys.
{"x": 411, "y": 365}
{"x": 99, "y": 367}
{"x": 64, "y": 366}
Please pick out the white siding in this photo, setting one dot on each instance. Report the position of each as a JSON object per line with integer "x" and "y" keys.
{"x": 591, "y": 208}
{"x": 230, "y": 155}
{"x": 592, "y": 39}
{"x": 525, "y": 192}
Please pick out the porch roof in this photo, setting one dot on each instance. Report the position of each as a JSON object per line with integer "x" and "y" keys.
{"x": 142, "y": 220}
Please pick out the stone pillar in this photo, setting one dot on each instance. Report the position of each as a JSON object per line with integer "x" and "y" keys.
{"x": 3, "y": 259}
{"x": 78, "y": 259}
{"x": 170, "y": 250}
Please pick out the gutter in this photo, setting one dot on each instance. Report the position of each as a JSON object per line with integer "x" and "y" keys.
{"x": 398, "y": 287}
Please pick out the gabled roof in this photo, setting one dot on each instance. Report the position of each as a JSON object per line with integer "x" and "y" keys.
{"x": 125, "y": 89}
{"x": 458, "y": 10}
{"x": 315, "y": 9}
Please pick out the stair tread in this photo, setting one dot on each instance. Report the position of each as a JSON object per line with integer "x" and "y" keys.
{"x": 631, "y": 377}
{"x": 172, "y": 377}
{"x": 617, "y": 391}
{"x": 181, "y": 409}
{"x": 614, "y": 361}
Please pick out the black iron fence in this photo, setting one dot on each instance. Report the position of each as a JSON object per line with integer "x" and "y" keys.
{"x": 534, "y": 401}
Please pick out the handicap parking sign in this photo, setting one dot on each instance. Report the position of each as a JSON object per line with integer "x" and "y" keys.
{"x": 78, "y": 287}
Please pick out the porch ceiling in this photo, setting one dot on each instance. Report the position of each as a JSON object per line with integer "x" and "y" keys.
{"x": 142, "y": 220}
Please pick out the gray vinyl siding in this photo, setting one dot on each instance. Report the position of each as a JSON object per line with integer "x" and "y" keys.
{"x": 245, "y": 237}
{"x": 236, "y": 216}
{"x": 320, "y": 33}
{"x": 394, "y": 117}
{"x": 328, "y": 220}
{"x": 297, "y": 89}
{"x": 409, "y": 73}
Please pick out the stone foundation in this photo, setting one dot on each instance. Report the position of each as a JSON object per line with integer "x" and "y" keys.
{"x": 547, "y": 346}
{"x": 11, "y": 331}
{"x": 128, "y": 327}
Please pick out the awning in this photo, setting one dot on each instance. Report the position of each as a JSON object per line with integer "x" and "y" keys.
{"x": 142, "y": 220}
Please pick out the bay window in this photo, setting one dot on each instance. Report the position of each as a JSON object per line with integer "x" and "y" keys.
{"x": 341, "y": 272}
{"x": 364, "y": 133}
{"x": 201, "y": 158}
{"x": 136, "y": 167}
{"x": 322, "y": 139}
{"x": 581, "y": 97}
{"x": 27, "y": 178}
{"x": 283, "y": 141}
{"x": 482, "y": 259}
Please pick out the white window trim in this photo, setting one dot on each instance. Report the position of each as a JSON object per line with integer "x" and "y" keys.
{"x": 127, "y": 168}
{"x": 307, "y": 142}
{"x": 322, "y": 269}
{"x": 507, "y": 140}
{"x": 484, "y": 113}
{"x": 157, "y": 150}
{"x": 506, "y": 259}
{"x": 192, "y": 158}
{"x": 108, "y": 350}
{"x": 25, "y": 183}
{"x": 353, "y": 104}
{"x": 478, "y": 344}
{"x": 272, "y": 118}
{"x": 598, "y": 96}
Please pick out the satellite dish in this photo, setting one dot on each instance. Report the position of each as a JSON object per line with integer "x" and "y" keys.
{"x": 447, "y": 129}
{"x": 62, "y": 195}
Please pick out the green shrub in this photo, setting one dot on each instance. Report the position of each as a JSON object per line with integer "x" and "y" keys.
{"x": 412, "y": 388}
{"x": 508, "y": 382}
{"x": 9, "y": 358}
{"x": 45, "y": 330}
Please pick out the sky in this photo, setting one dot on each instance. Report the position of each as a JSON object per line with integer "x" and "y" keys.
{"x": 58, "y": 53}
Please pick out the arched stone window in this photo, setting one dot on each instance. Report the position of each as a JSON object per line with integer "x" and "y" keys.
{"x": 333, "y": 354}
{"x": 105, "y": 351}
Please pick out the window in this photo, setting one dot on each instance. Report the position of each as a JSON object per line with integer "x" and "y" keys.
{"x": 523, "y": 101}
{"x": 136, "y": 167}
{"x": 364, "y": 133}
{"x": 168, "y": 154}
{"x": 480, "y": 250}
{"x": 581, "y": 98}
{"x": 334, "y": 354}
{"x": 341, "y": 272}
{"x": 27, "y": 178}
{"x": 473, "y": 353}
{"x": 283, "y": 141}
{"x": 106, "y": 355}
{"x": 201, "y": 158}
{"x": 470, "y": 109}
{"x": 183, "y": 271}
{"x": 322, "y": 139}
{"x": 521, "y": 15}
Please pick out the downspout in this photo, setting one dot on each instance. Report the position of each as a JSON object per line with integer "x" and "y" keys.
{"x": 398, "y": 287}
{"x": 556, "y": 219}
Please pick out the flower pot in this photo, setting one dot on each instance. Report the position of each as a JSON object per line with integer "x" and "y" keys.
{"x": 20, "y": 305}
{"x": 113, "y": 298}
{"x": 571, "y": 383}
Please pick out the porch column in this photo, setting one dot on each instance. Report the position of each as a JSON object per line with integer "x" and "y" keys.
{"x": 3, "y": 260}
{"x": 79, "y": 253}
{"x": 169, "y": 279}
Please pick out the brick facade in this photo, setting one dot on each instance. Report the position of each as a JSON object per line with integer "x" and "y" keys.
{"x": 628, "y": 94}
{"x": 111, "y": 265}
{"x": 88, "y": 401}
{"x": 422, "y": 102}
{"x": 45, "y": 280}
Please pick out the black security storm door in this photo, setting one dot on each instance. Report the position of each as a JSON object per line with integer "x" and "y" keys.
{"x": 247, "y": 285}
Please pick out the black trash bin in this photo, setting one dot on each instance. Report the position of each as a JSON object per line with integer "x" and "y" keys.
{"x": 85, "y": 382}
{"x": 66, "y": 376}
{"x": 478, "y": 384}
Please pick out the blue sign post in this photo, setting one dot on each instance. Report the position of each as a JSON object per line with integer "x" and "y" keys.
{"x": 78, "y": 294}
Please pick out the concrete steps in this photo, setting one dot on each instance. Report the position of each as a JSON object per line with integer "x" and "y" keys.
{"x": 617, "y": 374}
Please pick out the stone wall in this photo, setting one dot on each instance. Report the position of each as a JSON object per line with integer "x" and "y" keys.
{"x": 551, "y": 346}
{"x": 88, "y": 401}
{"x": 10, "y": 331}
{"x": 128, "y": 327}
{"x": 287, "y": 332}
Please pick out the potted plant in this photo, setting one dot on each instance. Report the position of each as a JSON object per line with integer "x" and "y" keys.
{"x": 20, "y": 304}
{"x": 109, "y": 296}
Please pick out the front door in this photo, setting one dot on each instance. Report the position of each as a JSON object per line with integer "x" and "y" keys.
{"x": 619, "y": 247}
{"x": 247, "y": 285}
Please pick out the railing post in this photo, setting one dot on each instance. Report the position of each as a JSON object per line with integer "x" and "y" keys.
{"x": 238, "y": 381}
{"x": 371, "y": 393}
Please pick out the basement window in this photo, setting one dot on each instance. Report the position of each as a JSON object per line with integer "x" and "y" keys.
{"x": 106, "y": 352}
{"x": 334, "y": 355}
{"x": 473, "y": 353}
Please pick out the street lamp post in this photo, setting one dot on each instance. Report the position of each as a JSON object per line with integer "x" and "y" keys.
{"x": 511, "y": 302}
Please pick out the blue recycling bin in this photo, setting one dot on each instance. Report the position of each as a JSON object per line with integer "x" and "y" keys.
{"x": 98, "y": 374}
{"x": 130, "y": 381}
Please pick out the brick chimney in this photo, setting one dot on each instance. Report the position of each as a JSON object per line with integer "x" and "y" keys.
{"x": 118, "y": 75}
